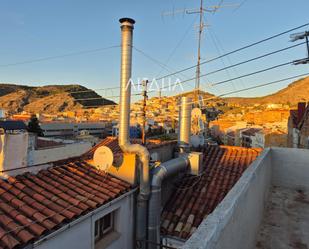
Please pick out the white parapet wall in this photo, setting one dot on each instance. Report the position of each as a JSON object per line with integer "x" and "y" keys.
{"x": 235, "y": 223}
{"x": 61, "y": 152}
{"x": 13, "y": 151}
{"x": 18, "y": 154}
{"x": 290, "y": 168}
{"x": 236, "y": 220}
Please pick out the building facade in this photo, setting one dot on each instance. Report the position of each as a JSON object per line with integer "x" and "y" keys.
{"x": 66, "y": 129}
{"x": 298, "y": 127}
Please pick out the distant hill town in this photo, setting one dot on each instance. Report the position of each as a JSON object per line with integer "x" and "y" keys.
{"x": 53, "y": 99}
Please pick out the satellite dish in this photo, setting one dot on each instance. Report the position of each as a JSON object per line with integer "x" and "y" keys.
{"x": 103, "y": 158}
{"x": 196, "y": 113}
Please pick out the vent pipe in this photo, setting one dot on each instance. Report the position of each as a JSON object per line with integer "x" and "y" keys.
{"x": 166, "y": 170}
{"x": 160, "y": 173}
{"x": 127, "y": 25}
{"x": 184, "y": 129}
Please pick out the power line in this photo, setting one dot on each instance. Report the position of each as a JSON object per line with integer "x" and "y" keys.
{"x": 217, "y": 45}
{"x": 240, "y": 63}
{"x": 154, "y": 60}
{"x": 178, "y": 43}
{"x": 265, "y": 84}
{"x": 240, "y": 5}
{"x": 239, "y": 77}
{"x": 106, "y": 97}
{"x": 60, "y": 56}
{"x": 252, "y": 73}
{"x": 235, "y": 51}
{"x": 212, "y": 72}
{"x": 216, "y": 58}
{"x": 253, "y": 87}
{"x": 97, "y": 89}
{"x": 216, "y": 38}
{"x": 139, "y": 84}
{"x": 255, "y": 58}
{"x": 176, "y": 72}
{"x": 250, "y": 88}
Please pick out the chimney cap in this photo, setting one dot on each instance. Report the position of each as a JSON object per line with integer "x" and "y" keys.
{"x": 126, "y": 19}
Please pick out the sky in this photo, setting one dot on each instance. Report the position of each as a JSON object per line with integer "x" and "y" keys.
{"x": 35, "y": 29}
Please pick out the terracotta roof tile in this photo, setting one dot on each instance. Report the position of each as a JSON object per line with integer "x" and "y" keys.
{"x": 32, "y": 205}
{"x": 195, "y": 197}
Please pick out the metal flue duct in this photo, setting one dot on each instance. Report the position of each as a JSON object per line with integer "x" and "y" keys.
{"x": 184, "y": 124}
{"x": 169, "y": 169}
{"x": 127, "y": 25}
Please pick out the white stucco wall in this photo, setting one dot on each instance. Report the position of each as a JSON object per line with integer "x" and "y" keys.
{"x": 80, "y": 233}
{"x": 47, "y": 155}
{"x": 13, "y": 150}
{"x": 290, "y": 168}
{"x": 258, "y": 141}
{"x": 163, "y": 153}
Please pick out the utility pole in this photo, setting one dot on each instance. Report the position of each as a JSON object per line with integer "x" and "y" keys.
{"x": 144, "y": 111}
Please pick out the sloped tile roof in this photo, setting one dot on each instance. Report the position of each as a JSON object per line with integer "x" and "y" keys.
{"x": 195, "y": 197}
{"x": 33, "y": 205}
{"x": 43, "y": 143}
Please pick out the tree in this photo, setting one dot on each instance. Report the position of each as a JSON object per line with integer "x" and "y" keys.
{"x": 34, "y": 126}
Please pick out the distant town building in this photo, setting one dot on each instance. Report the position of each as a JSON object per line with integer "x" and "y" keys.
{"x": 67, "y": 129}
{"x": 135, "y": 131}
{"x": 298, "y": 127}
{"x": 20, "y": 149}
{"x": 2, "y": 114}
{"x": 248, "y": 136}
{"x": 266, "y": 116}
{"x": 84, "y": 135}
{"x": 268, "y": 138}
{"x": 13, "y": 126}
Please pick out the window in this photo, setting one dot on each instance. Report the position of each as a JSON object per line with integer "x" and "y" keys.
{"x": 103, "y": 226}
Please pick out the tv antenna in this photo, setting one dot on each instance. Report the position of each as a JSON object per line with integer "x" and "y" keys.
{"x": 201, "y": 10}
{"x": 300, "y": 36}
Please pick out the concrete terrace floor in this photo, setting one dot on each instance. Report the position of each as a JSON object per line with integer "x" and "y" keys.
{"x": 285, "y": 224}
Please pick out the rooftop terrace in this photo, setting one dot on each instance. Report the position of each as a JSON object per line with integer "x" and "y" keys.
{"x": 266, "y": 208}
{"x": 285, "y": 222}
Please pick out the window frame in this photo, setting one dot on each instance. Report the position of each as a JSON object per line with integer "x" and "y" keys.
{"x": 100, "y": 232}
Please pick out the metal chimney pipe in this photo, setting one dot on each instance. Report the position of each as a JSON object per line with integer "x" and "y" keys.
{"x": 184, "y": 124}
{"x": 160, "y": 173}
{"x": 168, "y": 169}
{"x": 127, "y": 25}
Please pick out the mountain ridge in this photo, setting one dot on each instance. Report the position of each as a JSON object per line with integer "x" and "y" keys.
{"x": 50, "y": 98}
{"x": 295, "y": 92}
{"x": 53, "y": 99}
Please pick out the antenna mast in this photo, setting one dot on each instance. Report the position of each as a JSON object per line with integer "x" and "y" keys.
{"x": 198, "y": 65}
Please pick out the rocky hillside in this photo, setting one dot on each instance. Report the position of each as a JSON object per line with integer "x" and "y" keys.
{"x": 292, "y": 94}
{"x": 191, "y": 94}
{"x": 49, "y": 99}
